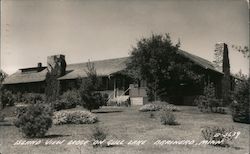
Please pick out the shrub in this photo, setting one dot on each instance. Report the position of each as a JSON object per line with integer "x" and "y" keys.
{"x": 170, "y": 107}
{"x": 72, "y": 97}
{"x": 157, "y": 107}
{"x": 217, "y": 135}
{"x": 92, "y": 100}
{"x": 67, "y": 100}
{"x": 7, "y": 98}
{"x": 167, "y": 117}
{"x": 20, "y": 110}
{"x": 240, "y": 105}
{"x": 32, "y": 98}
{"x": 74, "y": 117}
{"x": 36, "y": 121}
{"x": 208, "y": 101}
{"x": 98, "y": 134}
{"x": 149, "y": 107}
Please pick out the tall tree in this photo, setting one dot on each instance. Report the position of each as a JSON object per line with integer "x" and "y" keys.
{"x": 3, "y": 75}
{"x": 156, "y": 60}
{"x": 91, "y": 99}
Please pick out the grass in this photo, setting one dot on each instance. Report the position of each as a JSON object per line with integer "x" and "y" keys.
{"x": 129, "y": 124}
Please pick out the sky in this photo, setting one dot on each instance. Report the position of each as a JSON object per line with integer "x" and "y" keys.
{"x": 31, "y": 30}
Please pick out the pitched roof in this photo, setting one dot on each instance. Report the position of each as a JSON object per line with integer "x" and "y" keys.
{"x": 200, "y": 61}
{"x": 73, "y": 71}
{"x": 20, "y": 77}
{"x": 103, "y": 68}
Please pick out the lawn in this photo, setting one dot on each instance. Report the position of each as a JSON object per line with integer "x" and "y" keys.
{"x": 127, "y": 123}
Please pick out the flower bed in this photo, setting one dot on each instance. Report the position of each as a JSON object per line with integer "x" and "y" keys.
{"x": 74, "y": 117}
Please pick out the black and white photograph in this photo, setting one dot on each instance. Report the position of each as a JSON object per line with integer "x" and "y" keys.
{"x": 124, "y": 77}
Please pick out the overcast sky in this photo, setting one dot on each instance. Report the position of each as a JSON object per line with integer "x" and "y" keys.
{"x": 31, "y": 30}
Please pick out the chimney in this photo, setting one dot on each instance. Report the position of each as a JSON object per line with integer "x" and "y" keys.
{"x": 57, "y": 64}
{"x": 226, "y": 80}
{"x": 39, "y": 65}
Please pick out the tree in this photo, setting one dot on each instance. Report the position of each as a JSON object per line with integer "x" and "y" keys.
{"x": 156, "y": 60}
{"x": 3, "y": 75}
{"x": 240, "y": 105}
{"x": 91, "y": 99}
{"x": 52, "y": 88}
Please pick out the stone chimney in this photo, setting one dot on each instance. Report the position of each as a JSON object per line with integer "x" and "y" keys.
{"x": 57, "y": 64}
{"x": 226, "y": 80}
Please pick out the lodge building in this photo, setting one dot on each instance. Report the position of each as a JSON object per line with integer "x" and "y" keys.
{"x": 115, "y": 81}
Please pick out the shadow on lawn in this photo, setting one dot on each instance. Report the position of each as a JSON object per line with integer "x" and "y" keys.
{"x": 55, "y": 136}
{"x": 6, "y": 123}
{"x": 106, "y": 111}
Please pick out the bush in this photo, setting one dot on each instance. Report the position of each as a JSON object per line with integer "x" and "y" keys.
{"x": 67, "y": 100}
{"x": 157, "y": 107}
{"x": 72, "y": 97}
{"x": 32, "y": 98}
{"x": 170, "y": 107}
{"x": 208, "y": 101}
{"x": 74, "y": 117}
{"x": 20, "y": 110}
{"x": 36, "y": 121}
{"x": 217, "y": 135}
{"x": 240, "y": 105}
{"x": 7, "y": 98}
{"x": 98, "y": 134}
{"x": 149, "y": 107}
{"x": 167, "y": 117}
{"x": 61, "y": 104}
{"x": 92, "y": 100}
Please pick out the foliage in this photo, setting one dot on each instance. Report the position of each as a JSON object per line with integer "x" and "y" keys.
{"x": 59, "y": 104}
{"x": 244, "y": 50}
{"x": 208, "y": 101}
{"x": 74, "y": 117}
{"x": 167, "y": 117}
{"x": 240, "y": 105}
{"x": 156, "y": 60}
{"x": 36, "y": 121}
{"x": 158, "y": 106}
{"x": 90, "y": 99}
{"x": 20, "y": 110}
{"x": 98, "y": 134}
{"x": 149, "y": 107}
{"x": 3, "y": 75}
{"x": 72, "y": 97}
{"x": 32, "y": 98}
{"x": 218, "y": 135}
{"x": 52, "y": 88}
{"x": 7, "y": 98}
{"x": 67, "y": 100}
